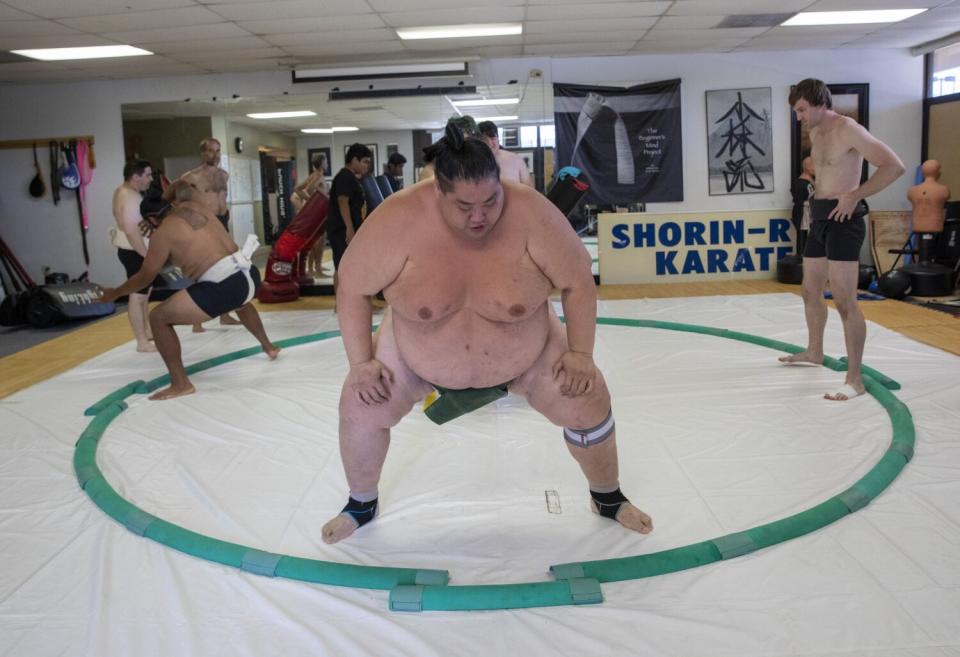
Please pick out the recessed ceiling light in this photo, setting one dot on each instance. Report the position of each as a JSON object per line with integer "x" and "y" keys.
{"x": 478, "y": 119}
{"x": 281, "y": 115}
{"x": 851, "y": 17}
{"x": 459, "y": 31}
{"x": 485, "y": 101}
{"x": 90, "y": 52}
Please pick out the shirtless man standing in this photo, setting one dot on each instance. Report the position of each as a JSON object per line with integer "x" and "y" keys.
{"x": 832, "y": 253}
{"x": 512, "y": 166}
{"x": 137, "y": 176}
{"x": 211, "y": 183}
{"x": 192, "y": 238}
{"x": 467, "y": 264}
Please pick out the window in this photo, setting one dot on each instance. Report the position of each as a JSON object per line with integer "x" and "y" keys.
{"x": 946, "y": 71}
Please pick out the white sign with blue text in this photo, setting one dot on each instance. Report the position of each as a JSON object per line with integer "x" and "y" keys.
{"x": 685, "y": 247}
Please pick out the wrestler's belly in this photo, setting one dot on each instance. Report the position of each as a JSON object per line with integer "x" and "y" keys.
{"x": 466, "y": 350}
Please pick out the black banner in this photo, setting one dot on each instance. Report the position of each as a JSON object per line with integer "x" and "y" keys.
{"x": 626, "y": 140}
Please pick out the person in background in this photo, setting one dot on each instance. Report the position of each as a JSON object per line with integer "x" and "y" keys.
{"x": 315, "y": 183}
{"x": 393, "y": 170}
{"x": 131, "y": 246}
{"x": 512, "y": 166}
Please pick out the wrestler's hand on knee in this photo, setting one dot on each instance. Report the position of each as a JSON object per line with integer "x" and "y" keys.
{"x": 575, "y": 373}
{"x": 846, "y": 204}
{"x": 370, "y": 381}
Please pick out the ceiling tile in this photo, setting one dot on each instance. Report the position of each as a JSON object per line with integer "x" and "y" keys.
{"x": 813, "y": 31}
{"x": 10, "y": 14}
{"x": 657, "y": 34}
{"x": 422, "y": 5}
{"x": 190, "y": 33}
{"x": 74, "y": 8}
{"x": 602, "y": 48}
{"x": 580, "y": 2}
{"x": 599, "y": 10}
{"x": 279, "y": 9}
{"x": 639, "y": 25}
{"x": 33, "y": 28}
{"x": 53, "y": 41}
{"x": 934, "y": 17}
{"x": 155, "y": 20}
{"x": 728, "y": 7}
{"x": 688, "y": 22}
{"x": 579, "y": 37}
{"x": 337, "y": 49}
{"x": 860, "y": 5}
{"x": 318, "y": 24}
{"x": 202, "y": 45}
{"x": 217, "y": 57}
{"x": 453, "y": 16}
{"x": 338, "y": 36}
{"x": 666, "y": 47}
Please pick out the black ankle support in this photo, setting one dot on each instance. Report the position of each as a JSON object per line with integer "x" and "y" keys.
{"x": 608, "y": 504}
{"x": 361, "y": 512}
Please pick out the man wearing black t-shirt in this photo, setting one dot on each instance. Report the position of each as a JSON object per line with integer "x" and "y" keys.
{"x": 348, "y": 205}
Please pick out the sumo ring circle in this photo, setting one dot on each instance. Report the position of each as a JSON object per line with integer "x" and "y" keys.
{"x": 427, "y": 589}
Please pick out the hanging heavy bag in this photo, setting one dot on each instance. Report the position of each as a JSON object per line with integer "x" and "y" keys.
{"x": 37, "y": 186}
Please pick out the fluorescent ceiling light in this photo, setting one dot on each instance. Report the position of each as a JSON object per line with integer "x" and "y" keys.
{"x": 91, "y": 52}
{"x": 459, "y": 31}
{"x": 478, "y": 119}
{"x": 851, "y": 17}
{"x": 329, "y": 131}
{"x": 281, "y": 115}
{"x": 485, "y": 102}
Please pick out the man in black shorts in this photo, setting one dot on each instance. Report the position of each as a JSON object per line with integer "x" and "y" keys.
{"x": 839, "y": 147}
{"x": 131, "y": 247}
{"x": 190, "y": 236}
{"x": 347, "y": 202}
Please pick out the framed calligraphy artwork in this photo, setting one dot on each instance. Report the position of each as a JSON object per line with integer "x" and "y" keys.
{"x": 740, "y": 141}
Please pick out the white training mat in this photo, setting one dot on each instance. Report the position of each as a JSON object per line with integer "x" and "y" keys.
{"x": 715, "y": 437}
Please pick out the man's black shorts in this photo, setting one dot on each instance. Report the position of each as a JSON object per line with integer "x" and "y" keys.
{"x": 131, "y": 261}
{"x": 338, "y": 244}
{"x": 835, "y": 240}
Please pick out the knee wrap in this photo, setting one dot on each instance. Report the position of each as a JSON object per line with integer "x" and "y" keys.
{"x": 608, "y": 504}
{"x": 588, "y": 437}
{"x": 361, "y": 512}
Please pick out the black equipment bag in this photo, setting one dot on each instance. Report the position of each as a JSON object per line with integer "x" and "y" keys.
{"x": 52, "y": 304}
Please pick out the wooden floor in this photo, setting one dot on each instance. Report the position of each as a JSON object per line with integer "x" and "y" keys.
{"x": 43, "y": 361}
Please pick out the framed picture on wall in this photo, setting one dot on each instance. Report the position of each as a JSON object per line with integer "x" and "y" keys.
{"x": 740, "y": 141}
{"x": 374, "y": 169}
{"x": 851, "y": 100}
{"x": 312, "y": 154}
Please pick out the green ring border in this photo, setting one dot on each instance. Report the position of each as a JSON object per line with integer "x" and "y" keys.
{"x": 427, "y": 589}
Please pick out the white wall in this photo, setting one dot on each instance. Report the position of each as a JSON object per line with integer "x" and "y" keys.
{"x": 337, "y": 141}
{"x": 41, "y": 234}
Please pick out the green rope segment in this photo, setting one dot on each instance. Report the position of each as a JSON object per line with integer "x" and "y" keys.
{"x": 426, "y": 589}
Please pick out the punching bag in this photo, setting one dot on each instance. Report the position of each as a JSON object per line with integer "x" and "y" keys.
{"x": 568, "y": 188}
{"x": 280, "y": 279}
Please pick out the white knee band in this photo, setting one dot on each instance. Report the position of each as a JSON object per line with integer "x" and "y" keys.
{"x": 588, "y": 437}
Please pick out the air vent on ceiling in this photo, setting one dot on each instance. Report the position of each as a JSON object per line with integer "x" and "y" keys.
{"x": 372, "y": 108}
{"x": 400, "y": 93}
{"x": 755, "y": 20}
